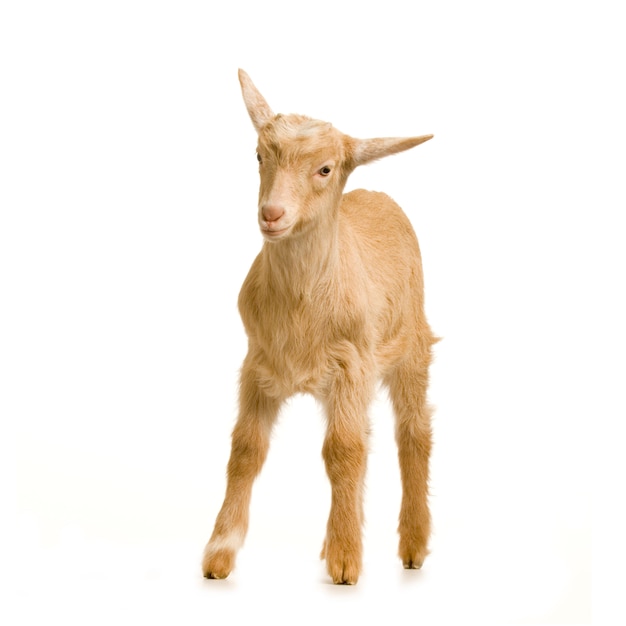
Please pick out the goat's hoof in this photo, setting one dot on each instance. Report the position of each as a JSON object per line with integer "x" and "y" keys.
{"x": 344, "y": 566}
{"x": 218, "y": 564}
{"x": 412, "y": 558}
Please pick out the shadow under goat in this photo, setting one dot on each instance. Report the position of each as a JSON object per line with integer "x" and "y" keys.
{"x": 333, "y": 304}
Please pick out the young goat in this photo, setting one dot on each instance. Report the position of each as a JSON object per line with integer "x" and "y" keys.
{"x": 332, "y": 304}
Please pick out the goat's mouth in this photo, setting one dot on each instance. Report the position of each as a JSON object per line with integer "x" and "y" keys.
{"x": 275, "y": 233}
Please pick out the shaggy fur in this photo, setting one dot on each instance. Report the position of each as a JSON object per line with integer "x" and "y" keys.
{"x": 332, "y": 304}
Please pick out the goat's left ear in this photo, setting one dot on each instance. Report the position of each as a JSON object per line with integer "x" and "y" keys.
{"x": 366, "y": 150}
{"x": 258, "y": 109}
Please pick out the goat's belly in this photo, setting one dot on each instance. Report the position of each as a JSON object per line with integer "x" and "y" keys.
{"x": 285, "y": 373}
{"x": 287, "y": 368}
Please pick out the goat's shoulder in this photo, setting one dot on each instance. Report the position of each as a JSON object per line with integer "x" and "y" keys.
{"x": 249, "y": 294}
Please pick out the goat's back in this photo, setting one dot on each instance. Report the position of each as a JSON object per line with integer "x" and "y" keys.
{"x": 374, "y": 227}
{"x": 382, "y": 233}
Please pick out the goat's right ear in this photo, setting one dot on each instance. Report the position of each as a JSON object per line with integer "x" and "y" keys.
{"x": 258, "y": 109}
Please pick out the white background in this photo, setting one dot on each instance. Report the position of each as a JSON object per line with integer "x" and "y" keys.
{"x": 128, "y": 222}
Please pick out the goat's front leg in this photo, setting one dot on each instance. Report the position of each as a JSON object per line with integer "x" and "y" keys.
{"x": 345, "y": 456}
{"x": 250, "y": 443}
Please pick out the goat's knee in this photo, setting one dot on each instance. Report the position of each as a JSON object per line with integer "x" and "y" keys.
{"x": 345, "y": 455}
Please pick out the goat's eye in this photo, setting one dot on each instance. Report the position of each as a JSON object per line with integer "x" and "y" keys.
{"x": 258, "y": 157}
{"x": 325, "y": 171}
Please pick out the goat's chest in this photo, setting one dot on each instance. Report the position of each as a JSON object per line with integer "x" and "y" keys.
{"x": 295, "y": 345}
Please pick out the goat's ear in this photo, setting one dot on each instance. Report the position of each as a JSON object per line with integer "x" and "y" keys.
{"x": 258, "y": 109}
{"x": 366, "y": 150}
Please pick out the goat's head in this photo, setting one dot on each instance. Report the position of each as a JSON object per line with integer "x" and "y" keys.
{"x": 304, "y": 164}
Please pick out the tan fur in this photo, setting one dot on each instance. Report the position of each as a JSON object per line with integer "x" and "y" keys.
{"x": 331, "y": 305}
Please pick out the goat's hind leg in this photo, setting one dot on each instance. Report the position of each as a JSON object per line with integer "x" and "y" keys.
{"x": 250, "y": 443}
{"x": 407, "y": 389}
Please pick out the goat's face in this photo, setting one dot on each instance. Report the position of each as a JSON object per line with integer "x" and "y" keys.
{"x": 303, "y": 165}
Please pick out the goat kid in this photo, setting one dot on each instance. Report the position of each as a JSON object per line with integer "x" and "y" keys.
{"x": 332, "y": 304}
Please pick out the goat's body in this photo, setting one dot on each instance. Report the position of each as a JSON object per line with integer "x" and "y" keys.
{"x": 365, "y": 291}
{"x": 332, "y": 305}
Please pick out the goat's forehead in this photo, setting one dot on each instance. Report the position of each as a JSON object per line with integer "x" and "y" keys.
{"x": 299, "y": 134}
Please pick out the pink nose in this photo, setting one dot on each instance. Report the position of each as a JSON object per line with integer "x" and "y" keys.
{"x": 272, "y": 213}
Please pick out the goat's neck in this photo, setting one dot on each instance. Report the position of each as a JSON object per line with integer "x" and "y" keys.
{"x": 300, "y": 265}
